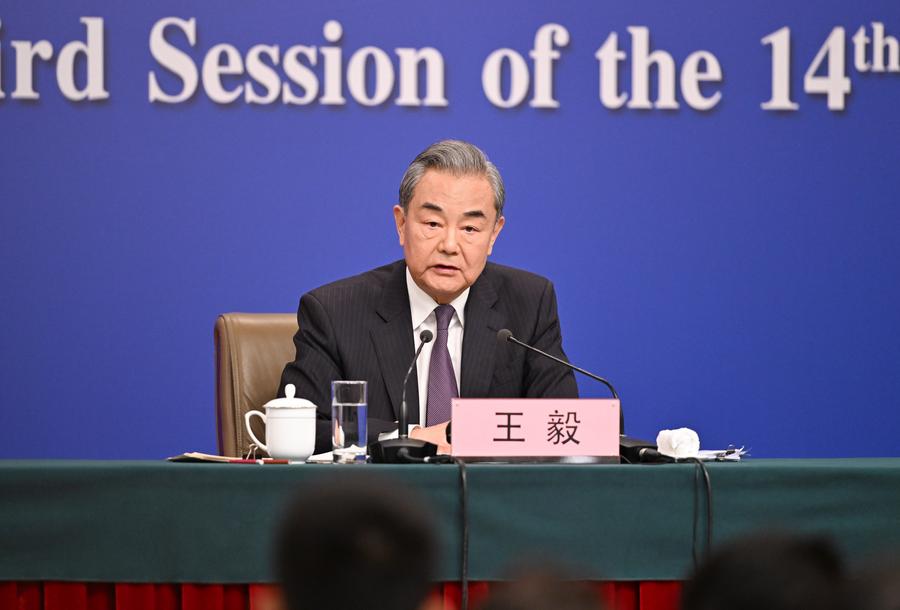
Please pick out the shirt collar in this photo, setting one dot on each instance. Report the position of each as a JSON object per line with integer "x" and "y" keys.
{"x": 421, "y": 305}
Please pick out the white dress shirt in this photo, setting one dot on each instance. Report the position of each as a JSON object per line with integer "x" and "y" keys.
{"x": 421, "y": 308}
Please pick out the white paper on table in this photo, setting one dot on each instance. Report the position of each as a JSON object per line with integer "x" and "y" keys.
{"x": 721, "y": 455}
{"x": 320, "y": 458}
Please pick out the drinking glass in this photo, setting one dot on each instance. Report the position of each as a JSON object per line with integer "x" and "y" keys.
{"x": 348, "y": 422}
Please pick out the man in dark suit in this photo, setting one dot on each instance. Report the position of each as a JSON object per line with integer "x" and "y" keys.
{"x": 367, "y": 327}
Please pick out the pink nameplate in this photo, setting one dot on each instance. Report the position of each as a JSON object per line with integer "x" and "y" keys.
{"x": 535, "y": 427}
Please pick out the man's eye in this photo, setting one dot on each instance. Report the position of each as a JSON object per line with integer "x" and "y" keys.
{"x": 470, "y": 229}
{"x": 432, "y": 224}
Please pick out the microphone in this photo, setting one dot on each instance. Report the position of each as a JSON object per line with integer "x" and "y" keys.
{"x": 403, "y": 449}
{"x": 504, "y": 335}
{"x": 424, "y": 337}
{"x": 648, "y": 455}
{"x": 631, "y": 450}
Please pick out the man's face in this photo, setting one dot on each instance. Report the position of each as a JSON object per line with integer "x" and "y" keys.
{"x": 448, "y": 232}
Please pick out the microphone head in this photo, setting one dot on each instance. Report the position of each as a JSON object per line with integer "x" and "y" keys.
{"x": 426, "y": 336}
{"x": 503, "y": 335}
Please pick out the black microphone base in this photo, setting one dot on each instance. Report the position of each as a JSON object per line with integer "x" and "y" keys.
{"x": 630, "y": 448}
{"x": 386, "y": 452}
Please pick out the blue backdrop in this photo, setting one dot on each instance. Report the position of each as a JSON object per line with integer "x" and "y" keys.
{"x": 734, "y": 270}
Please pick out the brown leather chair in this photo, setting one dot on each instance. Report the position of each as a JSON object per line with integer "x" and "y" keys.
{"x": 251, "y": 351}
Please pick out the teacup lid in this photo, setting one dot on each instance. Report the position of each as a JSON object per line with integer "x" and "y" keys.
{"x": 289, "y": 402}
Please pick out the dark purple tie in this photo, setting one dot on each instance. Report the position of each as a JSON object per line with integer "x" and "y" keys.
{"x": 441, "y": 380}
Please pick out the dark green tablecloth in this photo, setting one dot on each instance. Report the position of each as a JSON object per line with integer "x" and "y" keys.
{"x": 164, "y": 522}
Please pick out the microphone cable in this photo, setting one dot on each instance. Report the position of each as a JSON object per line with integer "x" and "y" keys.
{"x": 701, "y": 469}
{"x": 653, "y": 456}
{"x": 463, "y": 510}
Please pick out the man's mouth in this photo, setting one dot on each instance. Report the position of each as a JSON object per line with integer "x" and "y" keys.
{"x": 445, "y": 269}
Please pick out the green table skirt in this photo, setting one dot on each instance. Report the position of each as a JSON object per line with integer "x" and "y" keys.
{"x": 163, "y": 522}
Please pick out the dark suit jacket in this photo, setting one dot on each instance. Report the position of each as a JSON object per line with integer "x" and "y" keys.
{"x": 360, "y": 328}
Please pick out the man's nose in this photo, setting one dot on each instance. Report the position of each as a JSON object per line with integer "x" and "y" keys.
{"x": 448, "y": 243}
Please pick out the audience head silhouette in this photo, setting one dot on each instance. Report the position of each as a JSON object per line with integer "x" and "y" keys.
{"x": 355, "y": 543}
{"x": 769, "y": 571}
{"x": 542, "y": 589}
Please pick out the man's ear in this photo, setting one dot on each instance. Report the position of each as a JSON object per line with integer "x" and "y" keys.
{"x": 496, "y": 231}
{"x": 400, "y": 221}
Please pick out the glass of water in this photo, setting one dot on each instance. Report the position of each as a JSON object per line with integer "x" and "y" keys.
{"x": 348, "y": 422}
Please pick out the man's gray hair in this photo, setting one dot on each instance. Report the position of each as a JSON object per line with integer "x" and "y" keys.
{"x": 458, "y": 158}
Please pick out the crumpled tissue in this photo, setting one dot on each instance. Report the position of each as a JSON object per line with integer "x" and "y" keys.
{"x": 679, "y": 444}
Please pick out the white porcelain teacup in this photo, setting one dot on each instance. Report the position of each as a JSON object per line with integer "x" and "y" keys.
{"x": 290, "y": 427}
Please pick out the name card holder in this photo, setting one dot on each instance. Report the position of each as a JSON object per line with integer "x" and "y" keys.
{"x": 536, "y": 429}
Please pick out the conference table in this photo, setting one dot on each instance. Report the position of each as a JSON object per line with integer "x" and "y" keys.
{"x": 147, "y": 534}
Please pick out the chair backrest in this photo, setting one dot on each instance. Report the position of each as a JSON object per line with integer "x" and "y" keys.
{"x": 251, "y": 351}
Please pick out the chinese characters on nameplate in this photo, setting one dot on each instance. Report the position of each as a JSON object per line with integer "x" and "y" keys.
{"x": 540, "y": 428}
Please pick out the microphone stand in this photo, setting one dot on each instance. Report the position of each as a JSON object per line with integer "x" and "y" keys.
{"x": 509, "y": 337}
{"x": 404, "y": 450}
{"x": 632, "y": 450}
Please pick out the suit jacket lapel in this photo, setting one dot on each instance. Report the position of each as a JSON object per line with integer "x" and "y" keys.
{"x": 394, "y": 342}
{"x": 480, "y": 337}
